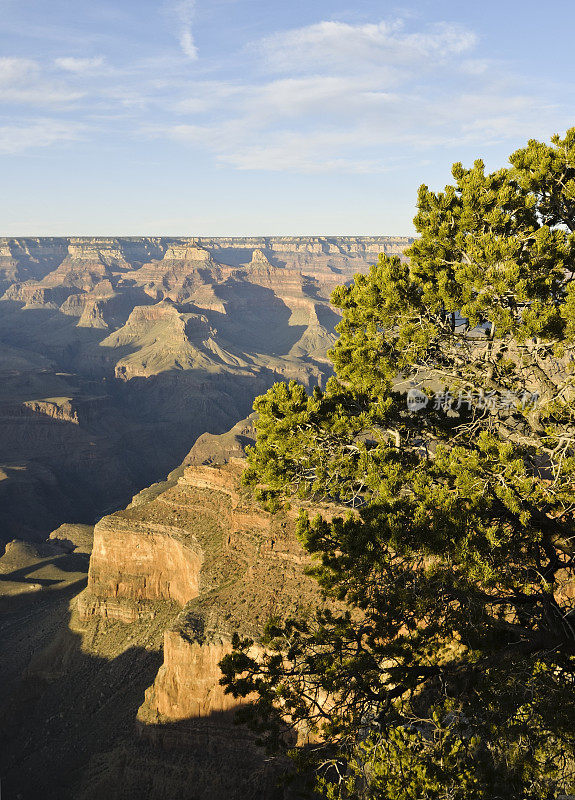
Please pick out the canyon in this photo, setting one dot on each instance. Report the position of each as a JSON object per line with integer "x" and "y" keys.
{"x": 117, "y": 353}
{"x": 130, "y": 553}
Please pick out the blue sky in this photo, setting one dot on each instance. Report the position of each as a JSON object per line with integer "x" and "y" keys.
{"x": 238, "y": 117}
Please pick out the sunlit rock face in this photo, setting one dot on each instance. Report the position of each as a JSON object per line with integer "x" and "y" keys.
{"x": 201, "y": 544}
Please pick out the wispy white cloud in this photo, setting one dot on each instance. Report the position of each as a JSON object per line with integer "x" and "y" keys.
{"x": 340, "y": 45}
{"x": 359, "y": 148}
{"x": 80, "y": 66}
{"x": 37, "y": 133}
{"x": 374, "y": 135}
{"x": 288, "y": 98}
{"x": 183, "y": 11}
{"x": 22, "y": 81}
{"x": 319, "y": 96}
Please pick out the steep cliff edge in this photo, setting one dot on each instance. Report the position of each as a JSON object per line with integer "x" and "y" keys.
{"x": 125, "y": 702}
{"x": 205, "y": 546}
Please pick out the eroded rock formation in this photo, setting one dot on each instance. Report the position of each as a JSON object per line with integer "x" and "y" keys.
{"x": 117, "y": 353}
{"x": 189, "y": 562}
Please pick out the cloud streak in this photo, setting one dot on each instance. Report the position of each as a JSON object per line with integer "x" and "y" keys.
{"x": 80, "y": 66}
{"x": 342, "y": 46}
{"x": 184, "y": 13}
{"x": 22, "y": 81}
{"x": 37, "y": 133}
{"x": 380, "y": 133}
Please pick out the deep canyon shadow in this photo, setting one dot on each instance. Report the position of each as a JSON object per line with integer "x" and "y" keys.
{"x": 68, "y": 731}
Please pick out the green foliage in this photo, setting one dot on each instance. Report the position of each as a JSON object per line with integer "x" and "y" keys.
{"x": 405, "y": 764}
{"x": 449, "y": 581}
{"x": 439, "y": 759}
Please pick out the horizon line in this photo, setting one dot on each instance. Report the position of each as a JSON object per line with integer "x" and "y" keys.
{"x": 209, "y": 236}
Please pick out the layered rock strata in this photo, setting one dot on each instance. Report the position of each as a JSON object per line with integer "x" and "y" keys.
{"x": 202, "y": 545}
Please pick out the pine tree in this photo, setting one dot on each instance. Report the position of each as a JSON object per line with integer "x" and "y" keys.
{"x": 443, "y": 663}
